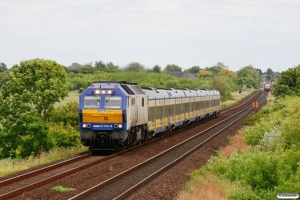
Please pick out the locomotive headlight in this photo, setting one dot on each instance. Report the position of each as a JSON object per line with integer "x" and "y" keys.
{"x": 103, "y": 91}
{"x": 118, "y": 126}
{"x": 97, "y": 91}
{"x": 83, "y": 125}
{"x": 109, "y": 91}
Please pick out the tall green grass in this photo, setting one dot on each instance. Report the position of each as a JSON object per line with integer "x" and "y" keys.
{"x": 10, "y": 166}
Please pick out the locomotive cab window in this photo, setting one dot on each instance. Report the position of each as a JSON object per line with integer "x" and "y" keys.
{"x": 113, "y": 102}
{"x": 92, "y": 102}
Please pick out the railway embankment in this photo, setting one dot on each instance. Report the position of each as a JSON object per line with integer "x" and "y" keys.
{"x": 260, "y": 162}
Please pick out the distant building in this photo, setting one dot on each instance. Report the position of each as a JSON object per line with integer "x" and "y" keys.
{"x": 183, "y": 75}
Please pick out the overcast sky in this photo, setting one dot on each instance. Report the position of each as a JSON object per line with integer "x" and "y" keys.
{"x": 262, "y": 33}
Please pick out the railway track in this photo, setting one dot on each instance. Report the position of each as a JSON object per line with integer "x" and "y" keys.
{"x": 21, "y": 184}
{"x": 126, "y": 182}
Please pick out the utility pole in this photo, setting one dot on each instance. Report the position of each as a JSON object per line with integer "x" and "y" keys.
{"x": 272, "y": 81}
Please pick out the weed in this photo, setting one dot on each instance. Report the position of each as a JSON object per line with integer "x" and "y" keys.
{"x": 62, "y": 189}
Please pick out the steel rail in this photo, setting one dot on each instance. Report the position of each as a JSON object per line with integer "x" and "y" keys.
{"x": 74, "y": 170}
{"x": 139, "y": 184}
{"x": 121, "y": 175}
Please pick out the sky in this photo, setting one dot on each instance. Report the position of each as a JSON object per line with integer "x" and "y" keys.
{"x": 261, "y": 33}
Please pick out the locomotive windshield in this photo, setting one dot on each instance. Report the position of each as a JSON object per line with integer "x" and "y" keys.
{"x": 113, "y": 102}
{"x": 92, "y": 102}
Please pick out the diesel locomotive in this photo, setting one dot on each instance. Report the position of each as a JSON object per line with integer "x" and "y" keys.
{"x": 114, "y": 115}
{"x": 267, "y": 87}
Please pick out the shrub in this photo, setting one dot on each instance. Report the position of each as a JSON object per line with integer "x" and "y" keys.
{"x": 64, "y": 135}
{"x": 271, "y": 140}
{"x": 256, "y": 169}
{"x": 67, "y": 114}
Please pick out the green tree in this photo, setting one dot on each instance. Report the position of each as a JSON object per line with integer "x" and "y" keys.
{"x": 216, "y": 68}
{"x": 249, "y": 76}
{"x": 99, "y": 65}
{"x": 156, "y": 69}
{"x": 221, "y": 65}
{"x": 87, "y": 69}
{"x": 289, "y": 80}
{"x": 173, "y": 68}
{"x": 4, "y": 76}
{"x": 222, "y": 84}
{"x": 282, "y": 90}
{"x": 194, "y": 70}
{"x": 112, "y": 68}
{"x": 64, "y": 125}
{"x": 227, "y": 72}
{"x": 26, "y": 100}
{"x": 3, "y": 67}
{"x": 67, "y": 114}
{"x": 74, "y": 66}
{"x": 269, "y": 74}
{"x": 134, "y": 66}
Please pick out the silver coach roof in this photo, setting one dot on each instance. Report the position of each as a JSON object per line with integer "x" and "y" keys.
{"x": 190, "y": 93}
{"x": 155, "y": 94}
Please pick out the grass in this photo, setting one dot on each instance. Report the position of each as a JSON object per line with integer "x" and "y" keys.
{"x": 236, "y": 143}
{"x": 61, "y": 189}
{"x": 73, "y": 96}
{"x": 210, "y": 187}
{"x": 237, "y": 97}
{"x": 10, "y": 166}
{"x": 206, "y": 185}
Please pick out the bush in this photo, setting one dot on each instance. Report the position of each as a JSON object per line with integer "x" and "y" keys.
{"x": 271, "y": 141}
{"x": 64, "y": 125}
{"x": 273, "y": 163}
{"x": 244, "y": 195}
{"x": 253, "y": 119}
{"x": 259, "y": 170}
{"x": 67, "y": 114}
{"x": 64, "y": 135}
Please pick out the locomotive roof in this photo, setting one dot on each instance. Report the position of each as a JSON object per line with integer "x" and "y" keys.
{"x": 129, "y": 88}
{"x": 117, "y": 82}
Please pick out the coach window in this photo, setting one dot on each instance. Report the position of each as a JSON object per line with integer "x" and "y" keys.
{"x": 151, "y": 113}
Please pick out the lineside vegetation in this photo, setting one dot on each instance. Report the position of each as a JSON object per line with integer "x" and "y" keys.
{"x": 271, "y": 165}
